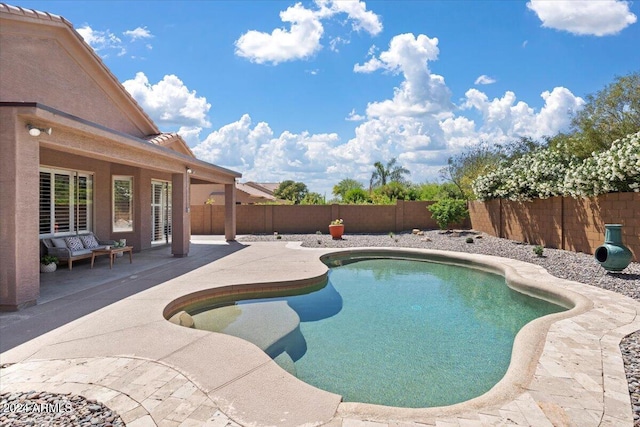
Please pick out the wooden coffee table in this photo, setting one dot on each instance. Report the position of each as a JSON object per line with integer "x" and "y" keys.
{"x": 112, "y": 254}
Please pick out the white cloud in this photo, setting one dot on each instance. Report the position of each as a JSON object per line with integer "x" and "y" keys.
{"x": 559, "y": 105}
{"x": 333, "y": 44}
{"x": 257, "y": 153}
{"x": 505, "y": 119}
{"x": 361, "y": 18}
{"x": 484, "y": 80}
{"x": 169, "y": 101}
{"x": 354, "y": 117}
{"x": 417, "y": 123}
{"x": 102, "y": 41}
{"x": 106, "y": 42}
{"x": 138, "y": 33}
{"x": 421, "y": 92}
{"x": 584, "y": 17}
{"x": 302, "y": 39}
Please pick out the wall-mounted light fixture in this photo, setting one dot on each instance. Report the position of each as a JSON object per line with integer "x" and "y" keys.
{"x": 35, "y": 131}
{"x": 190, "y": 171}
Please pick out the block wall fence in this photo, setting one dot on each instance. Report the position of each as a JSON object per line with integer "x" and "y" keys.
{"x": 561, "y": 222}
{"x": 267, "y": 219}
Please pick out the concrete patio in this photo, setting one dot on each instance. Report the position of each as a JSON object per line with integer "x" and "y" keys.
{"x": 104, "y": 337}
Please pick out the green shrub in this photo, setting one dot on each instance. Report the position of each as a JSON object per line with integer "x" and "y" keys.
{"x": 356, "y": 196}
{"x": 48, "y": 259}
{"x": 469, "y": 239}
{"x": 449, "y": 211}
{"x": 538, "y": 250}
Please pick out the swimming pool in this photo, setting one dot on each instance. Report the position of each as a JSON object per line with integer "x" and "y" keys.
{"x": 390, "y": 331}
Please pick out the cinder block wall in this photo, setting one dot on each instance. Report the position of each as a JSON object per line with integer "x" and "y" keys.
{"x": 562, "y": 222}
{"x": 260, "y": 219}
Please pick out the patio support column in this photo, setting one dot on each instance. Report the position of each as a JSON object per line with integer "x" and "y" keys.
{"x": 180, "y": 215}
{"x": 19, "y": 214}
{"x": 230, "y": 212}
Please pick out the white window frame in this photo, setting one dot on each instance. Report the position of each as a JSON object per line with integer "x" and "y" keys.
{"x": 73, "y": 201}
{"x": 122, "y": 228}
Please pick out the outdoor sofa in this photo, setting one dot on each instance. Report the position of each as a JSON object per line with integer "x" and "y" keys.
{"x": 72, "y": 248}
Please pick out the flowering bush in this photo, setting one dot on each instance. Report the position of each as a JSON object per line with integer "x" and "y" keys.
{"x": 552, "y": 172}
{"x": 539, "y": 174}
{"x": 616, "y": 169}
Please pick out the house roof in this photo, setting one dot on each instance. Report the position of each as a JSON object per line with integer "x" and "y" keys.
{"x": 171, "y": 140}
{"x": 17, "y": 13}
{"x": 267, "y": 187}
{"x": 254, "y": 192}
{"x": 143, "y": 136}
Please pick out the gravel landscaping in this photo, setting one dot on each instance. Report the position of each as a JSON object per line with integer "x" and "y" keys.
{"x": 33, "y": 408}
{"x": 575, "y": 266}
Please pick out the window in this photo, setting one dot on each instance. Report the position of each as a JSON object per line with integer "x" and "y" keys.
{"x": 66, "y": 199}
{"x": 122, "y": 203}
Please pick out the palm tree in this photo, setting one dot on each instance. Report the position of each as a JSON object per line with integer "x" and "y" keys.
{"x": 382, "y": 175}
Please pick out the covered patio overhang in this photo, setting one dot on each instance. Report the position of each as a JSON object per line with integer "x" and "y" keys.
{"x": 80, "y": 145}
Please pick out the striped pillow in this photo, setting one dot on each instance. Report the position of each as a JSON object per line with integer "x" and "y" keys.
{"x": 74, "y": 243}
{"x": 89, "y": 241}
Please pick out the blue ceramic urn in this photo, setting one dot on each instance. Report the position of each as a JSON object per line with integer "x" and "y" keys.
{"x": 612, "y": 254}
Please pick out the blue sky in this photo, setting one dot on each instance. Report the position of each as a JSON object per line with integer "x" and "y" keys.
{"x": 318, "y": 91}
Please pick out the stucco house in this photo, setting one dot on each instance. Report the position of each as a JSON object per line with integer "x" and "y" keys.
{"x": 247, "y": 193}
{"x": 78, "y": 154}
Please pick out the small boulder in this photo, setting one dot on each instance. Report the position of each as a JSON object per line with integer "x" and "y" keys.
{"x": 183, "y": 318}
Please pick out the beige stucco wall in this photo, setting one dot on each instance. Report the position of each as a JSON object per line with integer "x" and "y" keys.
{"x": 140, "y": 237}
{"x": 50, "y": 78}
{"x": 200, "y": 193}
{"x": 19, "y": 251}
{"x": 37, "y": 67}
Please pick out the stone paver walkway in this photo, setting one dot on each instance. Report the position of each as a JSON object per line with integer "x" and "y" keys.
{"x": 142, "y": 392}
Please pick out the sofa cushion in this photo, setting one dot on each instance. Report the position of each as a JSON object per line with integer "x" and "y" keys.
{"x": 89, "y": 241}
{"x": 74, "y": 243}
{"x": 80, "y": 252}
{"x": 59, "y": 243}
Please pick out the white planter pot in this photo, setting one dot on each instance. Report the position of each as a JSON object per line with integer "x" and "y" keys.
{"x": 48, "y": 268}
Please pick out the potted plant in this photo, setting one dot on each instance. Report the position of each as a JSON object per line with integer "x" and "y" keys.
{"x": 119, "y": 244}
{"x": 336, "y": 228}
{"x": 48, "y": 264}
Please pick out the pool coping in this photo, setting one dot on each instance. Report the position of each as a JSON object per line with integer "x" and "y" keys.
{"x": 578, "y": 376}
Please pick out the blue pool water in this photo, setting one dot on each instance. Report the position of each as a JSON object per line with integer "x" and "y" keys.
{"x": 390, "y": 331}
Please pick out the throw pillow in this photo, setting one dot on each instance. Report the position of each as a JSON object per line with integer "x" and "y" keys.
{"x": 89, "y": 241}
{"x": 59, "y": 243}
{"x": 74, "y": 243}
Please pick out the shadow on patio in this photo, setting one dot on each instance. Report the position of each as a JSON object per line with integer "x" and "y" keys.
{"x": 68, "y": 295}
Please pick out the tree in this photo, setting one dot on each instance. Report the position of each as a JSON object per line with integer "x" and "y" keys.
{"x": 313, "y": 199}
{"x": 609, "y": 115}
{"x": 464, "y": 168}
{"x": 435, "y": 191}
{"x": 382, "y": 175}
{"x": 344, "y": 186}
{"x": 292, "y": 191}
